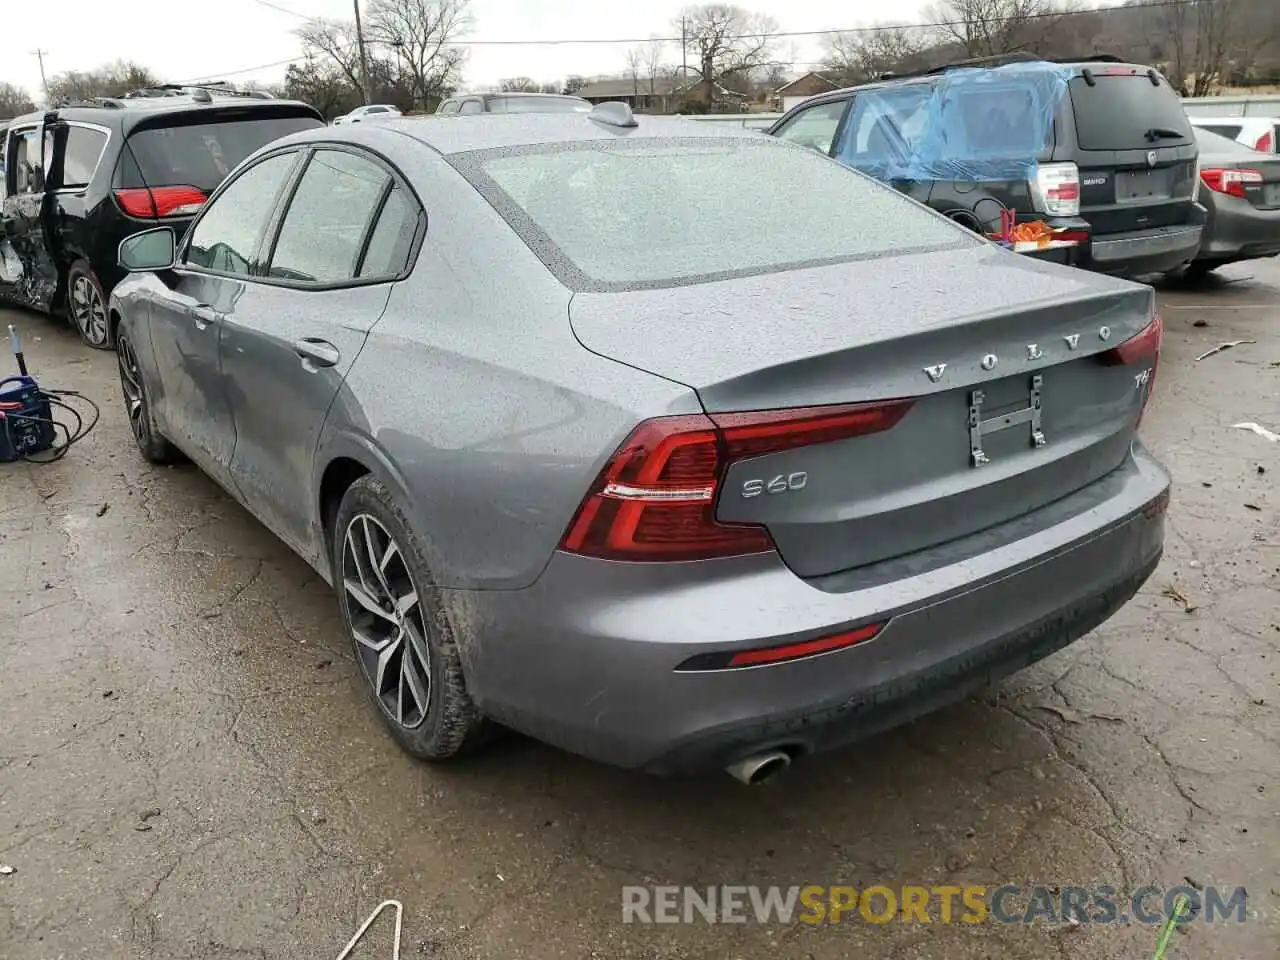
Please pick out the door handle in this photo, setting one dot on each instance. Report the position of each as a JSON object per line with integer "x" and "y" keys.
{"x": 320, "y": 353}
{"x": 203, "y": 315}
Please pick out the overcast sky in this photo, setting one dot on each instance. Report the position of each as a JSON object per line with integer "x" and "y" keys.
{"x": 233, "y": 39}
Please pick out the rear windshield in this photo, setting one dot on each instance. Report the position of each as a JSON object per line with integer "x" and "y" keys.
{"x": 619, "y": 214}
{"x": 1216, "y": 143}
{"x": 538, "y": 105}
{"x": 203, "y": 154}
{"x": 1228, "y": 130}
{"x": 1127, "y": 113}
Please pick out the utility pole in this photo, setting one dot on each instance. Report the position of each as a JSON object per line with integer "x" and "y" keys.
{"x": 684, "y": 47}
{"x": 364, "y": 58}
{"x": 44, "y": 81}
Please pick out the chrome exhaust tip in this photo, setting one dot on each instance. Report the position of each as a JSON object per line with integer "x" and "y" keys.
{"x": 760, "y": 768}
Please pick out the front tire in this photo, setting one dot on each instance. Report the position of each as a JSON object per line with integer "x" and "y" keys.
{"x": 87, "y": 306}
{"x": 400, "y": 634}
{"x": 151, "y": 442}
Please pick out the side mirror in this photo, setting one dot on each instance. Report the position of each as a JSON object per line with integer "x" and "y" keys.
{"x": 149, "y": 250}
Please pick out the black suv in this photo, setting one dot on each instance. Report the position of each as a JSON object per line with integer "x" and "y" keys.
{"x": 80, "y": 178}
{"x": 1099, "y": 149}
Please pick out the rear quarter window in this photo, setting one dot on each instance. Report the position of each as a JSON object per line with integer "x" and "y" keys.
{"x": 1119, "y": 110}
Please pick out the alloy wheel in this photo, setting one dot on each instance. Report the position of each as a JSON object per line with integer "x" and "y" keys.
{"x": 386, "y": 620}
{"x": 135, "y": 400}
{"x": 89, "y": 311}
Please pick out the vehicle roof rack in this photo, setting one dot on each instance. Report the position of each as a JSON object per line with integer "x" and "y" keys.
{"x": 613, "y": 113}
{"x": 193, "y": 89}
{"x": 111, "y": 103}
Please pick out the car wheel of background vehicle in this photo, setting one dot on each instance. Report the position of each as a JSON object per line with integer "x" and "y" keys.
{"x": 1197, "y": 270}
{"x": 151, "y": 443}
{"x": 400, "y": 634}
{"x": 87, "y": 306}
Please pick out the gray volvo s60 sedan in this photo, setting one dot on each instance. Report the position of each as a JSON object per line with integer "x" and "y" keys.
{"x": 673, "y": 445}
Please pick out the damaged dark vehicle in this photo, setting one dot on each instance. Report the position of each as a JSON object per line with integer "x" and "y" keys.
{"x": 1093, "y": 159}
{"x": 80, "y": 178}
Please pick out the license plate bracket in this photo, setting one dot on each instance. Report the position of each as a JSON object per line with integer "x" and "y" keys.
{"x": 1134, "y": 185}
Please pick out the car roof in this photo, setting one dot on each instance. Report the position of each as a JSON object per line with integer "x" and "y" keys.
{"x": 128, "y": 111}
{"x": 450, "y": 135}
{"x": 932, "y": 76}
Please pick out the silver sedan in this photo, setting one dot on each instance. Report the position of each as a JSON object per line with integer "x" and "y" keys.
{"x": 670, "y": 444}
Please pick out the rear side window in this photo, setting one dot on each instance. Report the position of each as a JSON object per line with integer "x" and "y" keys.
{"x": 324, "y": 229}
{"x": 392, "y": 238}
{"x": 1124, "y": 112}
{"x": 80, "y": 156}
{"x": 538, "y": 105}
{"x": 202, "y": 154}
{"x": 658, "y": 212}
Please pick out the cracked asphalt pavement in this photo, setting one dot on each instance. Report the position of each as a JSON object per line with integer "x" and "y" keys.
{"x": 189, "y": 770}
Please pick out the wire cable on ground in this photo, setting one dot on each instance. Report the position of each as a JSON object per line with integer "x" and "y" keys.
{"x": 71, "y": 435}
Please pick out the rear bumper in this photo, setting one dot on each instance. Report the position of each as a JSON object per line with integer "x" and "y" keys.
{"x": 1237, "y": 230}
{"x": 585, "y": 658}
{"x": 1147, "y": 251}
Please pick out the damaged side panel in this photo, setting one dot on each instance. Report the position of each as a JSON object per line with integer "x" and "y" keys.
{"x": 28, "y": 272}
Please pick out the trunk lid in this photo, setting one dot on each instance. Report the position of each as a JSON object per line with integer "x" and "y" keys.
{"x": 920, "y": 327}
{"x": 1136, "y": 152}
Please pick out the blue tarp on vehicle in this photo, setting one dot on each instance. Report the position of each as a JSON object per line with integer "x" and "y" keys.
{"x": 973, "y": 124}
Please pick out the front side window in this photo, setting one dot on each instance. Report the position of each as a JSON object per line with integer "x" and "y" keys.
{"x": 621, "y": 213}
{"x": 815, "y": 127}
{"x": 226, "y": 238}
{"x": 80, "y": 157}
{"x": 472, "y": 106}
{"x": 324, "y": 228}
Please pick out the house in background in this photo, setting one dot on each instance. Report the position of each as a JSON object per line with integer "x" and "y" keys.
{"x": 659, "y": 95}
{"x": 802, "y": 88}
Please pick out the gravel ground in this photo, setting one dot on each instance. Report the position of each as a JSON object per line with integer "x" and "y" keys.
{"x": 188, "y": 768}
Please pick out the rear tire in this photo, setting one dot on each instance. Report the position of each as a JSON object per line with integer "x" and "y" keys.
{"x": 1198, "y": 270}
{"x": 151, "y": 442}
{"x": 87, "y": 306}
{"x": 401, "y": 635}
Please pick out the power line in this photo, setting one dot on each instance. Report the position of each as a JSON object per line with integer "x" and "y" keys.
{"x": 780, "y": 35}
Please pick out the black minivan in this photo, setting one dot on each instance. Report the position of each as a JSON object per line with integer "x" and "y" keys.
{"x": 1098, "y": 149}
{"x": 80, "y": 178}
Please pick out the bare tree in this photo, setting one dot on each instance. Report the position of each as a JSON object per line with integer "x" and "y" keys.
{"x": 518, "y": 85}
{"x": 334, "y": 40}
{"x": 549, "y": 86}
{"x": 420, "y": 34}
{"x": 857, "y": 56}
{"x": 724, "y": 41}
{"x": 985, "y": 28}
{"x": 1207, "y": 40}
{"x": 634, "y": 66}
{"x": 112, "y": 80}
{"x": 14, "y": 101}
{"x": 323, "y": 84}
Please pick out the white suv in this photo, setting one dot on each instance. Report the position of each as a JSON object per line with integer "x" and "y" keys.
{"x": 372, "y": 111}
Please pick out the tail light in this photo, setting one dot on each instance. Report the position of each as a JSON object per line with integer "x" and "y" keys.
{"x": 1141, "y": 348}
{"x": 655, "y": 499}
{"x": 1056, "y": 189}
{"x": 150, "y": 203}
{"x": 1230, "y": 182}
{"x": 1266, "y": 143}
